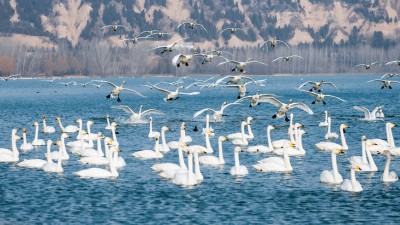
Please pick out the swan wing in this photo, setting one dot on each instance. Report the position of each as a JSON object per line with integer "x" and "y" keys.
{"x": 224, "y": 30}
{"x": 135, "y": 92}
{"x": 292, "y": 56}
{"x": 362, "y": 64}
{"x": 394, "y": 81}
{"x": 308, "y": 82}
{"x": 190, "y": 93}
{"x": 257, "y": 62}
{"x": 244, "y": 99}
{"x": 272, "y": 101}
{"x": 282, "y": 42}
{"x": 392, "y": 62}
{"x": 123, "y": 107}
{"x": 332, "y": 96}
{"x": 278, "y": 58}
{"x": 264, "y": 43}
{"x": 201, "y": 25}
{"x": 151, "y": 111}
{"x": 249, "y": 78}
{"x": 178, "y": 58}
{"x": 302, "y": 106}
{"x": 224, "y": 107}
{"x": 376, "y": 80}
{"x": 159, "y": 89}
{"x": 330, "y": 83}
{"x": 196, "y": 114}
{"x": 106, "y": 82}
{"x": 221, "y": 79}
{"x": 183, "y": 23}
{"x": 105, "y": 27}
{"x": 310, "y": 93}
{"x": 367, "y": 114}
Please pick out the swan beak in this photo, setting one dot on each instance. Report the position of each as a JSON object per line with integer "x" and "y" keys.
{"x": 358, "y": 168}
{"x": 291, "y": 144}
{"x": 393, "y": 125}
{"x": 340, "y": 151}
{"x": 92, "y": 123}
{"x": 68, "y": 136}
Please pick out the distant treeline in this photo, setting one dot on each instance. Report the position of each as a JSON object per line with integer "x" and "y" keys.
{"x": 90, "y": 58}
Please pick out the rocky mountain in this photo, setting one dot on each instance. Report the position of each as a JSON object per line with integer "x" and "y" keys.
{"x": 319, "y": 22}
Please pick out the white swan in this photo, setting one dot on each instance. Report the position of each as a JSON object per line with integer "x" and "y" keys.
{"x": 98, "y": 160}
{"x": 217, "y": 116}
{"x": 263, "y": 148}
{"x": 168, "y": 170}
{"x": 167, "y": 48}
{"x": 367, "y": 66}
{"x": 47, "y": 129}
{"x": 377, "y": 145}
{"x": 352, "y": 185}
{"x": 366, "y": 161}
{"x": 183, "y": 138}
{"x": 149, "y": 154}
{"x": 213, "y": 160}
{"x": 192, "y": 25}
{"x": 197, "y": 171}
{"x": 380, "y": 114}
{"x": 25, "y": 146}
{"x": 316, "y": 85}
{"x": 281, "y": 142}
{"x": 233, "y": 79}
{"x": 36, "y": 141}
{"x": 208, "y": 128}
{"x": 118, "y": 89}
{"x": 332, "y": 176}
{"x": 240, "y": 87}
{"x": 187, "y": 178}
{"x": 368, "y": 116}
{"x": 298, "y": 150}
{"x": 163, "y": 147}
{"x": 101, "y": 173}
{"x": 319, "y": 97}
{"x": 108, "y": 127}
{"x": 67, "y": 129}
{"x": 87, "y": 152}
{"x": 330, "y": 135}
{"x": 172, "y": 95}
{"x": 385, "y": 83}
{"x": 88, "y": 135}
{"x": 329, "y": 146}
{"x": 37, "y": 163}
{"x": 273, "y": 42}
{"x": 241, "y": 141}
{"x": 237, "y": 169}
{"x": 249, "y": 136}
{"x": 137, "y": 116}
{"x": 240, "y": 65}
{"x": 324, "y": 123}
{"x": 255, "y": 99}
{"x": 50, "y": 166}
{"x": 152, "y": 134}
{"x": 284, "y": 108}
{"x": 13, "y": 138}
{"x": 287, "y": 58}
{"x": 388, "y": 176}
{"x": 276, "y": 164}
{"x": 7, "y": 155}
{"x": 62, "y": 148}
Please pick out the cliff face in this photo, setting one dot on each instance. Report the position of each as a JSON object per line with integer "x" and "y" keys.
{"x": 294, "y": 21}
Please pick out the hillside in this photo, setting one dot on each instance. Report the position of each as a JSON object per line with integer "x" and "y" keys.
{"x": 319, "y": 22}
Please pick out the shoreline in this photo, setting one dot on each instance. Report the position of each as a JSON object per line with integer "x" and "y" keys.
{"x": 192, "y": 75}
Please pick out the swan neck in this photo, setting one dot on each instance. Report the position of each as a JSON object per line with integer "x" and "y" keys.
{"x": 286, "y": 158}
{"x": 291, "y": 133}
{"x": 181, "y": 161}
{"x": 237, "y": 162}
{"x": 370, "y": 159}
{"x": 363, "y": 150}
{"x": 353, "y": 177}
{"x": 208, "y": 144}
{"x": 61, "y": 126}
{"x": 163, "y": 141}
{"x": 387, "y": 165}
{"x": 14, "y": 148}
{"x": 243, "y": 137}
{"x": 44, "y": 126}
{"x": 197, "y": 164}
{"x": 250, "y": 131}
{"x": 60, "y": 153}
{"x": 334, "y": 166}
{"x": 157, "y": 144}
{"x": 49, "y": 159}
{"x": 151, "y": 126}
{"x": 24, "y": 136}
{"x": 342, "y": 137}
{"x": 269, "y": 139}
{"x": 99, "y": 150}
{"x": 37, "y": 133}
{"x": 113, "y": 170}
{"x": 220, "y": 153}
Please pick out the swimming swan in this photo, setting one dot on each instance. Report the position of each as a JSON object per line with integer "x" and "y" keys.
{"x": 101, "y": 173}
{"x": 262, "y": 148}
{"x": 50, "y": 166}
{"x": 388, "y": 176}
{"x": 98, "y": 160}
{"x": 249, "y": 136}
{"x": 324, "y": 123}
{"x": 149, "y": 154}
{"x": 213, "y": 160}
{"x": 237, "y": 169}
{"x": 36, "y": 141}
{"x": 276, "y": 164}
{"x": 64, "y": 154}
{"x": 366, "y": 161}
{"x": 67, "y": 129}
{"x": 330, "y": 135}
{"x": 47, "y": 129}
{"x": 352, "y": 185}
{"x": 5, "y": 155}
{"x": 332, "y": 176}
{"x": 163, "y": 147}
{"x": 329, "y": 146}
{"x": 25, "y": 146}
{"x": 36, "y": 163}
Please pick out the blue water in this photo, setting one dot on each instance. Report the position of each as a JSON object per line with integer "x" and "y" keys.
{"x": 138, "y": 195}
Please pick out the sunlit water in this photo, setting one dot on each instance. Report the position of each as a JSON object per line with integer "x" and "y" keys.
{"x": 138, "y": 195}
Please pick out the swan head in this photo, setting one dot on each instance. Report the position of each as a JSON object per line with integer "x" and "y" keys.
{"x": 114, "y": 124}
{"x": 238, "y": 149}
{"x": 222, "y": 138}
{"x": 49, "y": 142}
{"x": 392, "y": 124}
{"x": 78, "y": 121}
{"x": 35, "y": 124}
{"x": 58, "y": 143}
{"x": 123, "y": 82}
{"x": 23, "y": 130}
{"x": 270, "y": 127}
{"x": 363, "y": 138}
{"x": 100, "y": 135}
{"x": 298, "y": 125}
{"x": 89, "y": 122}
{"x": 339, "y": 151}
{"x": 14, "y": 131}
{"x": 57, "y": 118}
{"x": 343, "y": 126}
{"x": 326, "y": 112}
{"x": 108, "y": 140}
{"x": 164, "y": 128}
{"x": 355, "y": 167}
{"x": 290, "y": 100}
{"x": 249, "y": 119}
{"x": 108, "y": 116}
{"x": 151, "y": 118}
